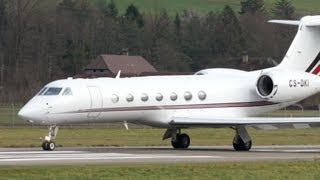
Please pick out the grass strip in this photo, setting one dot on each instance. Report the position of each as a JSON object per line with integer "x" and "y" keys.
{"x": 239, "y": 171}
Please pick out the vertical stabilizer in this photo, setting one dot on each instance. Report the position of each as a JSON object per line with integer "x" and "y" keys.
{"x": 304, "y": 52}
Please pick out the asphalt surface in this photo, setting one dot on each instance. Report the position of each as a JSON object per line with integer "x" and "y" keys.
{"x": 109, "y": 155}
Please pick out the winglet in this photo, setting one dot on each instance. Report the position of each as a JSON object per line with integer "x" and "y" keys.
{"x": 118, "y": 74}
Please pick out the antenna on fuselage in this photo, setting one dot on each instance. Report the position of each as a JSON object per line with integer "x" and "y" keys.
{"x": 126, "y": 125}
{"x": 118, "y": 74}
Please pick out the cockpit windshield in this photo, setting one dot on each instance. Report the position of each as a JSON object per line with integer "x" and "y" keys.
{"x": 67, "y": 92}
{"x": 42, "y": 91}
{"x": 52, "y": 91}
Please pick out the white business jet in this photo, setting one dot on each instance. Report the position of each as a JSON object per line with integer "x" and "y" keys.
{"x": 217, "y": 98}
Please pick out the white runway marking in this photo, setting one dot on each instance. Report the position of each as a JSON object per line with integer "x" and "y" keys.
{"x": 288, "y": 150}
{"x": 82, "y": 155}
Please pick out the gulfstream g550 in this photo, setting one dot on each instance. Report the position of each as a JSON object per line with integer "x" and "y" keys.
{"x": 217, "y": 98}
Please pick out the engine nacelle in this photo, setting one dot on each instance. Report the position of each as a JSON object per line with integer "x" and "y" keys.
{"x": 284, "y": 86}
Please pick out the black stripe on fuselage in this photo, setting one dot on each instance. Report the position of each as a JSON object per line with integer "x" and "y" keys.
{"x": 314, "y": 63}
{"x": 175, "y": 107}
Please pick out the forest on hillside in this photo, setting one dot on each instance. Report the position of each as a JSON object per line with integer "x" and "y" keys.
{"x": 44, "y": 40}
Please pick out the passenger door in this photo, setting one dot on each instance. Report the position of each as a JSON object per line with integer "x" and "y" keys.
{"x": 96, "y": 101}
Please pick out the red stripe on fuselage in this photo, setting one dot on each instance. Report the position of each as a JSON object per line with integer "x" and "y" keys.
{"x": 176, "y": 107}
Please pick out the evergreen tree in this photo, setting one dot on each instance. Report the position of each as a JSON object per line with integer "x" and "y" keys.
{"x": 231, "y": 40}
{"x": 251, "y": 6}
{"x": 110, "y": 9}
{"x": 284, "y": 9}
{"x": 177, "y": 23}
{"x": 67, "y": 3}
{"x": 133, "y": 14}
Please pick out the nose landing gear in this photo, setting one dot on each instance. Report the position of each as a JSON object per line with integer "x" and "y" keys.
{"x": 48, "y": 143}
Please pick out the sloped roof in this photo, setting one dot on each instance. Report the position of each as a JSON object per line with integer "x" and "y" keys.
{"x": 127, "y": 64}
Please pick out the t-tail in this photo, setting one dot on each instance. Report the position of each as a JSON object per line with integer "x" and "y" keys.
{"x": 304, "y": 52}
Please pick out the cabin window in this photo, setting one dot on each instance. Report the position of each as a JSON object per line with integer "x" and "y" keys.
{"x": 67, "y": 92}
{"x": 53, "y": 91}
{"x": 42, "y": 91}
{"x": 159, "y": 97}
{"x": 202, "y": 95}
{"x": 144, "y": 97}
{"x": 114, "y": 98}
{"x": 187, "y": 96}
{"x": 130, "y": 98}
{"x": 173, "y": 96}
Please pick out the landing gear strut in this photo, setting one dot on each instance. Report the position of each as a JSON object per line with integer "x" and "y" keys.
{"x": 48, "y": 143}
{"x": 242, "y": 140}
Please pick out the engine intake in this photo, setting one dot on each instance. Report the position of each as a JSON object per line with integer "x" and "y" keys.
{"x": 279, "y": 85}
{"x": 265, "y": 85}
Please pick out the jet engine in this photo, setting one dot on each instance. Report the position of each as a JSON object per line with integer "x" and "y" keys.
{"x": 286, "y": 86}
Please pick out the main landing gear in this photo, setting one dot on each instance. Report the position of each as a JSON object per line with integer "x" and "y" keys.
{"x": 178, "y": 140}
{"x": 48, "y": 143}
{"x": 241, "y": 141}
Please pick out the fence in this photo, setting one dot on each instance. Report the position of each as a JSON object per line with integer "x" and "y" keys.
{"x": 9, "y": 117}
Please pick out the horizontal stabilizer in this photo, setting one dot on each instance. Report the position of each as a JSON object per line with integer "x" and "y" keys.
{"x": 313, "y": 23}
{"x": 286, "y": 22}
{"x": 308, "y": 21}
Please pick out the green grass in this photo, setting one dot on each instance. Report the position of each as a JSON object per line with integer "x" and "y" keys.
{"x": 28, "y": 137}
{"x": 239, "y": 171}
{"x": 204, "y": 6}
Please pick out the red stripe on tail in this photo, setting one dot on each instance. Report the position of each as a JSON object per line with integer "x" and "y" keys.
{"x": 317, "y": 70}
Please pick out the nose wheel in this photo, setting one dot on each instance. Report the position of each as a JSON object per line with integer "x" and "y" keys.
{"x": 48, "y": 144}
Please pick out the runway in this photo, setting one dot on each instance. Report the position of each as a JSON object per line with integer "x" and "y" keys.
{"x": 109, "y": 155}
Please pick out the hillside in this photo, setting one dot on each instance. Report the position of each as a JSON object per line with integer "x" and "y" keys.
{"x": 204, "y": 6}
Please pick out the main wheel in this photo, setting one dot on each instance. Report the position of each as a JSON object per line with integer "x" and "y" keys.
{"x": 48, "y": 146}
{"x": 175, "y": 144}
{"x": 239, "y": 145}
{"x": 44, "y": 145}
{"x": 182, "y": 141}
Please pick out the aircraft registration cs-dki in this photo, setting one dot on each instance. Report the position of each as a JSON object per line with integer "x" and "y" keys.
{"x": 217, "y": 98}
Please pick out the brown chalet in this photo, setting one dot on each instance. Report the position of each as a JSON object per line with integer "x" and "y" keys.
{"x": 109, "y": 66}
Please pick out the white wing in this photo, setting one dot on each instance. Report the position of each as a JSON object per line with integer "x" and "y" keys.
{"x": 258, "y": 122}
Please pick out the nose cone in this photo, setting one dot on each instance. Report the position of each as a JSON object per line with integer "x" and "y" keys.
{"x": 31, "y": 114}
{"x": 26, "y": 114}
